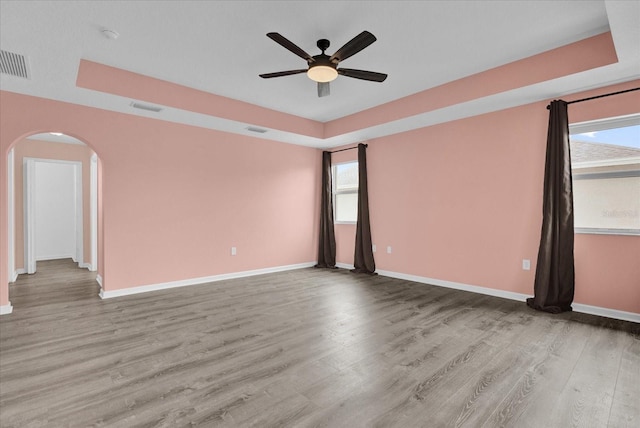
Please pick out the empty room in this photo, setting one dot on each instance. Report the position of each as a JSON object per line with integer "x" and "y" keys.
{"x": 320, "y": 213}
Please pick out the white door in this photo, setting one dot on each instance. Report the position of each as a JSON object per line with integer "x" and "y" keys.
{"x": 53, "y": 211}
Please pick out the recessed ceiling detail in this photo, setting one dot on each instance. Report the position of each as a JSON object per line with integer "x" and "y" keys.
{"x": 201, "y": 64}
{"x": 586, "y": 54}
{"x": 14, "y": 64}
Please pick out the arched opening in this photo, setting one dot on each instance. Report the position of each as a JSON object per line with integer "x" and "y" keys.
{"x": 54, "y": 204}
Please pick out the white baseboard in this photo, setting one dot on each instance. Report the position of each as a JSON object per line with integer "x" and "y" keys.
{"x": 17, "y": 272}
{"x": 195, "y": 281}
{"x": 456, "y": 285}
{"x": 6, "y": 309}
{"x": 577, "y": 307}
{"x": 606, "y": 312}
{"x": 344, "y": 266}
{"x": 85, "y": 266}
{"x": 99, "y": 280}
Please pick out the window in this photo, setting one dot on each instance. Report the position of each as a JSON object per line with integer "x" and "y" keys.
{"x": 605, "y": 160}
{"x": 345, "y": 192}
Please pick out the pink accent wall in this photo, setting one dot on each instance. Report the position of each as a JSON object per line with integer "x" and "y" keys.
{"x": 458, "y": 201}
{"x": 47, "y": 150}
{"x": 462, "y": 202}
{"x": 608, "y": 271}
{"x": 175, "y": 198}
{"x": 592, "y": 52}
{"x": 100, "y": 77}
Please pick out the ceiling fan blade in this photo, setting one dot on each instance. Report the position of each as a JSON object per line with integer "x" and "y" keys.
{"x": 362, "y": 74}
{"x": 323, "y": 89}
{"x": 354, "y": 46}
{"x": 282, "y": 73}
{"x": 286, "y": 43}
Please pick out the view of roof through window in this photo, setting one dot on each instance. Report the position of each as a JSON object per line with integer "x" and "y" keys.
{"x": 605, "y": 159}
{"x": 616, "y": 143}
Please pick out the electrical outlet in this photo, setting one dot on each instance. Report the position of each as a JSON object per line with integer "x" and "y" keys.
{"x": 526, "y": 264}
{"x": 233, "y": 251}
{"x": 389, "y": 249}
{"x": 373, "y": 248}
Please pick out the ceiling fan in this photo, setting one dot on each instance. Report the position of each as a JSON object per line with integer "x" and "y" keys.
{"x": 324, "y": 68}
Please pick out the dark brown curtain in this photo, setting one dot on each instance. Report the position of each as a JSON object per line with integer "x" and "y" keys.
{"x": 363, "y": 259}
{"x": 555, "y": 279}
{"x": 327, "y": 244}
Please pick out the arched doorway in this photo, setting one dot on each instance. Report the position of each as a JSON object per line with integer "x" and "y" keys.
{"x": 34, "y": 163}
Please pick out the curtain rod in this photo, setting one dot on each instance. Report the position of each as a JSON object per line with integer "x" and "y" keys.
{"x": 598, "y": 96}
{"x": 350, "y": 148}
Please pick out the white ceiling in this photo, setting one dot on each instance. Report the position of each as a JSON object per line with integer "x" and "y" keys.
{"x": 54, "y": 138}
{"x": 221, "y": 46}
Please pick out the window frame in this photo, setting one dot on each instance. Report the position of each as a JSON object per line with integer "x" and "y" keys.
{"x": 601, "y": 125}
{"x": 335, "y": 191}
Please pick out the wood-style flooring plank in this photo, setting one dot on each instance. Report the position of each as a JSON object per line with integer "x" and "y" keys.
{"x": 624, "y": 411}
{"x": 306, "y": 348}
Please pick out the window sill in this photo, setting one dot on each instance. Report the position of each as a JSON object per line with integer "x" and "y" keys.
{"x": 344, "y": 222}
{"x": 623, "y": 232}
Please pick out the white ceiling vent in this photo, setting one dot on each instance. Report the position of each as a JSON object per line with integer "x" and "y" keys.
{"x": 258, "y": 130}
{"x": 147, "y": 107}
{"x": 14, "y": 64}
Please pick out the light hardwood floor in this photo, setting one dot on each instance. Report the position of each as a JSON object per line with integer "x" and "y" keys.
{"x": 306, "y": 348}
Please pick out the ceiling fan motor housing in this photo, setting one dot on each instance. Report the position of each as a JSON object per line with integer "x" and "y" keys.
{"x": 323, "y": 59}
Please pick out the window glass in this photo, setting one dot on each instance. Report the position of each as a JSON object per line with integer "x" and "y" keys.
{"x": 605, "y": 159}
{"x": 347, "y": 176}
{"x": 345, "y": 192}
{"x": 346, "y": 207}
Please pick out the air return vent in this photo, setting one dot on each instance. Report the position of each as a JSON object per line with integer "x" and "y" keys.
{"x": 14, "y": 64}
{"x": 147, "y": 107}
{"x": 258, "y": 130}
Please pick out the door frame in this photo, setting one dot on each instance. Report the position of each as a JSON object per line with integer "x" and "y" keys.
{"x": 29, "y": 169}
{"x": 93, "y": 206}
{"x": 11, "y": 265}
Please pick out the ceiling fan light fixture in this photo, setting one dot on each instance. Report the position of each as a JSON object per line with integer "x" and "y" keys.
{"x": 322, "y": 73}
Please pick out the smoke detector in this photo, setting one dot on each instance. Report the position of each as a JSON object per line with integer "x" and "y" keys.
{"x": 110, "y": 34}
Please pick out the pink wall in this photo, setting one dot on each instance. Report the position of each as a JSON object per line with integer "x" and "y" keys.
{"x": 608, "y": 271}
{"x": 462, "y": 202}
{"x": 175, "y": 198}
{"x": 58, "y": 151}
{"x": 459, "y": 201}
